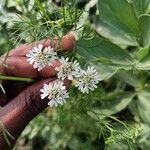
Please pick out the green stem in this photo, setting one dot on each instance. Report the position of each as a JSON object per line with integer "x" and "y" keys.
{"x": 2, "y": 77}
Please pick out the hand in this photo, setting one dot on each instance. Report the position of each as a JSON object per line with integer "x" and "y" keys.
{"x": 22, "y": 101}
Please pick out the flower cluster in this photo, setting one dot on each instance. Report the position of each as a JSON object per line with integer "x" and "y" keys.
{"x": 56, "y": 92}
{"x": 84, "y": 80}
{"x": 68, "y": 70}
{"x": 40, "y": 57}
{"x": 87, "y": 80}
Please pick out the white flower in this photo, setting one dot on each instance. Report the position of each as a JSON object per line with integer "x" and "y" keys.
{"x": 40, "y": 56}
{"x": 55, "y": 92}
{"x": 67, "y": 69}
{"x": 87, "y": 80}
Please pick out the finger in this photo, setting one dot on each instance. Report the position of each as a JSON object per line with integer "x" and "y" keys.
{"x": 21, "y": 110}
{"x": 24, "y": 49}
{"x": 18, "y": 113}
{"x": 29, "y": 99}
{"x": 33, "y": 94}
{"x": 67, "y": 44}
{"x": 18, "y": 66}
{"x": 49, "y": 71}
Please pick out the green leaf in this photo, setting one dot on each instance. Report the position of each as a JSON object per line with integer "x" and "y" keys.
{"x": 141, "y": 6}
{"x": 144, "y": 64}
{"x": 108, "y": 58}
{"x": 113, "y": 106}
{"x": 117, "y": 22}
{"x": 142, "y": 53}
{"x": 143, "y": 104}
{"x": 144, "y": 25}
{"x": 129, "y": 78}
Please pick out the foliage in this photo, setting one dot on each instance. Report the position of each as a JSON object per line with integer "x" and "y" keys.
{"x": 115, "y": 37}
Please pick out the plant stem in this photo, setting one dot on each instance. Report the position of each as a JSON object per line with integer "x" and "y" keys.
{"x": 2, "y": 77}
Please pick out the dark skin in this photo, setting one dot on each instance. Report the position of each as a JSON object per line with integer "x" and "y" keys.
{"x": 22, "y": 101}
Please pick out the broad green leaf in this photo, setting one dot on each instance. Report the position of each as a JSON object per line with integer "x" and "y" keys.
{"x": 142, "y": 53}
{"x": 107, "y": 57}
{"x": 117, "y": 21}
{"x": 144, "y": 25}
{"x": 129, "y": 78}
{"x": 114, "y": 105}
{"x": 108, "y": 70}
{"x": 144, "y": 64}
{"x": 141, "y": 6}
{"x": 143, "y": 104}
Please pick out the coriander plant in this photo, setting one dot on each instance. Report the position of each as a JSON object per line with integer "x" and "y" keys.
{"x": 107, "y": 105}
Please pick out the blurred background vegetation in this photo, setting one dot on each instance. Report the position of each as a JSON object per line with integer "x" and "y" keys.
{"x": 77, "y": 126}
